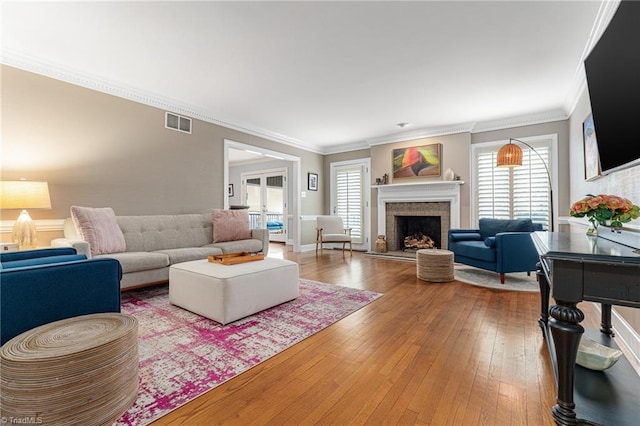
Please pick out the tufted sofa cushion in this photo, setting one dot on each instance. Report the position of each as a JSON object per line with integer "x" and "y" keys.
{"x": 162, "y": 232}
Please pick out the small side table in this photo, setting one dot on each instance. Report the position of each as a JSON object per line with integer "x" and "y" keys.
{"x": 81, "y": 370}
{"x": 434, "y": 265}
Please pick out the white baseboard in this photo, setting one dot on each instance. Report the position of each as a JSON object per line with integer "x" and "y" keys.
{"x": 307, "y": 247}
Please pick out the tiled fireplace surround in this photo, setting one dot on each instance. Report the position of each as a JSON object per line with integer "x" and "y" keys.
{"x": 440, "y": 198}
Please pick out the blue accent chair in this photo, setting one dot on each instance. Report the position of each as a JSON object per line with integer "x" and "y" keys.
{"x": 41, "y": 286}
{"x": 497, "y": 245}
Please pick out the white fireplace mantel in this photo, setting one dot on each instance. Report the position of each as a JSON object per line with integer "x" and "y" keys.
{"x": 435, "y": 191}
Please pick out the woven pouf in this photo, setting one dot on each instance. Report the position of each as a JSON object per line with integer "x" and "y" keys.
{"x": 434, "y": 265}
{"x": 77, "y": 371}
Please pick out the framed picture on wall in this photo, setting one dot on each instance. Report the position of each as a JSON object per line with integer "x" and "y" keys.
{"x": 592, "y": 168}
{"x": 312, "y": 183}
{"x": 417, "y": 161}
{"x": 230, "y": 190}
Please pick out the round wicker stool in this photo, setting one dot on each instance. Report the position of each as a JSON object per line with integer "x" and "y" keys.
{"x": 434, "y": 265}
{"x": 77, "y": 371}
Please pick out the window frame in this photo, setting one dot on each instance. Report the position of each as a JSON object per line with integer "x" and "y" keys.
{"x": 550, "y": 140}
{"x": 365, "y": 164}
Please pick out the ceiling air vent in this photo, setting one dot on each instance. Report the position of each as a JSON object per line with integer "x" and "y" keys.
{"x": 177, "y": 122}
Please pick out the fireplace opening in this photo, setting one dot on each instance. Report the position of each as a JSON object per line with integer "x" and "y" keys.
{"x": 418, "y": 232}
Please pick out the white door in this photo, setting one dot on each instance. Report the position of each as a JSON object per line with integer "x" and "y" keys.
{"x": 265, "y": 193}
{"x": 350, "y": 195}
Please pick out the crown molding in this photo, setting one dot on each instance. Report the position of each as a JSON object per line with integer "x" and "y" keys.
{"x": 345, "y": 147}
{"x": 425, "y": 132}
{"x": 473, "y": 127}
{"x": 519, "y": 121}
{"x": 55, "y": 71}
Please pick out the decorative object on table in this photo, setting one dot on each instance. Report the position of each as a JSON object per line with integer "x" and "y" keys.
{"x": 625, "y": 236}
{"x": 378, "y": 181}
{"x": 606, "y": 210}
{"x": 594, "y": 356}
{"x": 417, "y": 161}
{"x": 449, "y": 175}
{"x": 23, "y": 195}
{"x": 381, "y": 244}
{"x": 312, "y": 181}
{"x": 81, "y": 370}
{"x": 235, "y": 258}
{"x": 510, "y": 155}
{"x": 591, "y": 156}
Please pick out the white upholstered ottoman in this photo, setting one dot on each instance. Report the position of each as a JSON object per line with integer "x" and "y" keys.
{"x": 225, "y": 293}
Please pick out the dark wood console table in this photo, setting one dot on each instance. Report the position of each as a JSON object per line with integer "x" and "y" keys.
{"x": 574, "y": 268}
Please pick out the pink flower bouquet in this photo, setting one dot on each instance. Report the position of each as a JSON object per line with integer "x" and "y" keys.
{"x": 606, "y": 210}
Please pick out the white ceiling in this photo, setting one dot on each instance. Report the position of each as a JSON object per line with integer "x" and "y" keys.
{"x": 325, "y": 76}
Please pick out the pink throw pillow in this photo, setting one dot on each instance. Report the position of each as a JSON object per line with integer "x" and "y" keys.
{"x": 230, "y": 225}
{"x": 98, "y": 227}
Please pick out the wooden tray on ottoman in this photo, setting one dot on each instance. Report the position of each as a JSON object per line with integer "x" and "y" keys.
{"x": 235, "y": 258}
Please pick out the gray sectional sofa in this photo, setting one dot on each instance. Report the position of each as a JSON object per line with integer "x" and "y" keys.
{"x": 155, "y": 242}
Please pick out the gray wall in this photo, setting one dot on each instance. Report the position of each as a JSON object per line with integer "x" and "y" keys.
{"x": 455, "y": 155}
{"x": 95, "y": 149}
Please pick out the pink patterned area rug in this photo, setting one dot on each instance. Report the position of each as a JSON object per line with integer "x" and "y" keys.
{"x": 183, "y": 355}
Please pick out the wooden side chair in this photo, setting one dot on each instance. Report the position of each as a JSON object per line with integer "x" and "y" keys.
{"x": 330, "y": 229}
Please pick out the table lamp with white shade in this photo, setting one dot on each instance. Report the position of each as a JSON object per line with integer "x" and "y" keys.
{"x": 23, "y": 195}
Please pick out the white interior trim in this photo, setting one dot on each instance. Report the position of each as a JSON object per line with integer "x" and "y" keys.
{"x": 44, "y": 225}
{"x": 436, "y": 191}
{"x": 553, "y": 168}
{"x": 294, "y": 180}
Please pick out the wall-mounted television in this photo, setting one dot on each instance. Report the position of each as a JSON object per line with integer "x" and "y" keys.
{"x": 613, "y": 80}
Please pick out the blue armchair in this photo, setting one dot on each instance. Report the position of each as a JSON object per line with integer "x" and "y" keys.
{"x": 41, "y": 286}
{"x": 498, "y": 245}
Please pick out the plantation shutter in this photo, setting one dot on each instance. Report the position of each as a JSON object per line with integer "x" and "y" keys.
{"x": 349, "y": 182}
{"x": 494, "y": 190}
{"x": 513, "y": 193}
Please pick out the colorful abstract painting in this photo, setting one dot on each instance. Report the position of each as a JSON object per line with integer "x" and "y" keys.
{"x": 417, "y": 161}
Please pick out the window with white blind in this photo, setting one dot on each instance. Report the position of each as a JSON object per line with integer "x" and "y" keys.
{"x": 513, "y": 193}
{"x": 348, "y": 200}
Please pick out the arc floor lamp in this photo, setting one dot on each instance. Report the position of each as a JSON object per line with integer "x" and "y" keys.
{"x": 510, "y": 155}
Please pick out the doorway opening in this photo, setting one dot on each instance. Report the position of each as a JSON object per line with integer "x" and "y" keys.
{"x": 265, "y": 160}
{"x": 265, "y": 193}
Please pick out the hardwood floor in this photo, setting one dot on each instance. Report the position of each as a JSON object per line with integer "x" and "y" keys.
{"x": 424, "y": 353}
